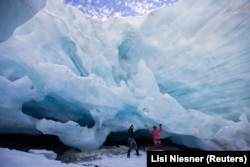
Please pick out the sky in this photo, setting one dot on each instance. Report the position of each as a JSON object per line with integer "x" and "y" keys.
{"x": 104, "y": 9}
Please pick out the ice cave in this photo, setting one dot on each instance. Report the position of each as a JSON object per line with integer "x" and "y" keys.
{"x": 186, "y": 66}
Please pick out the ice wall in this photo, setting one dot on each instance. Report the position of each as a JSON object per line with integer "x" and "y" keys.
{"x": 185, "y": 66}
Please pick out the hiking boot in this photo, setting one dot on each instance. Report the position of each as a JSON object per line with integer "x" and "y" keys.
{"x": 137, "y": 152}
{"x": 128, "y": 154}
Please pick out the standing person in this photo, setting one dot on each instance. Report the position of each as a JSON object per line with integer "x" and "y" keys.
{"x": 131, "y": 141}
{"x": 156, "y": 136}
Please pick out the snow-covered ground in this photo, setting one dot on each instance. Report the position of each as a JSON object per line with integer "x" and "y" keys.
{"x": 14, "y": 158}
{"x": 119, "y": 161}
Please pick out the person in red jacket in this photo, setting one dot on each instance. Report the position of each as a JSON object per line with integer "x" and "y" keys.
{"x": 156, "y": 136}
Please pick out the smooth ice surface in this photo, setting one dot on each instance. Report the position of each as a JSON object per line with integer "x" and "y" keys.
{"x": 46, "y": 153}
{"x": 11, "y": 158}
{"x": 14, "y": 13}
{"x": 185, "y": 66}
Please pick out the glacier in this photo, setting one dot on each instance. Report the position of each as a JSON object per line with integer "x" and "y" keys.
{"x": 185, "y": 66}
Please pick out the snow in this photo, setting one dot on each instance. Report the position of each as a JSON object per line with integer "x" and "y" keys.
{"x": 185, "y": 66}
{"x": 122, "y": 161}
{"x": 11, "y": 158}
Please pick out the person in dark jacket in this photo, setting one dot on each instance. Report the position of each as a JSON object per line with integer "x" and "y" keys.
{"x": 131, "y": 141}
